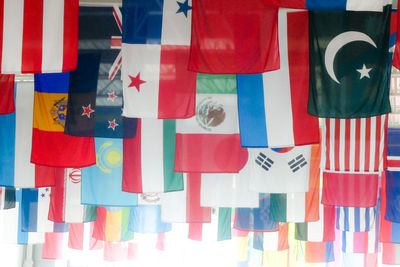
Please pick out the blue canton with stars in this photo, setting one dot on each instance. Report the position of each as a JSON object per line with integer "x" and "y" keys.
{"x": 183, "y": 7}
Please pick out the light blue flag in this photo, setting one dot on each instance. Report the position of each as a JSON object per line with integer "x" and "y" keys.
{"x": 102, "y": 183}
{"x": 7, "y": 149}
{"x": 146, "y": 219}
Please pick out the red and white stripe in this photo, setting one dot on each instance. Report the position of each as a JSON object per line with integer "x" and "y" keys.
{"x": 353, "y": 145}
{"x": 38, "y": 36}
{"x": 393, "y": 163}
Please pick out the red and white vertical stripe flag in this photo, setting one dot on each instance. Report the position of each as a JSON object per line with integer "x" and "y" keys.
{"x": 38, "y": 36}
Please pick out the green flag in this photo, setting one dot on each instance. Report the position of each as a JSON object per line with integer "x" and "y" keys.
{"x": 349, "y": 63}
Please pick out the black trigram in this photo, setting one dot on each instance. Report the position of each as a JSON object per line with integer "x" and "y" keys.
{"x": 297, "y": 163}
{"x": 264, "y": 162}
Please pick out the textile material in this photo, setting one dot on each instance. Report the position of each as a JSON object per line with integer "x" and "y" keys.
{"x": 80, "y": 237}
{"x": 393, "y": 149}
{"x": 149, "y": 158}
{"x": 39, "y": 37}
{"x": 355, "y": 219}
{"x": 392, "y": 195}
{"x": 272, "y": 103}
{"x": 221, "y": 49}
{"x": 50, "y": 146}
{"x": 112, "y": 224}
{"x": 354, "y": 145}
{"x": 155, "y": 52}
{"x": 147, "y": 219}
{"x": 389, "y": 231}
{"x": 7, "y": 104}
{"x": 359, "y": 73}
{"x": 203, "y": 141}
{"x": 102, "y": 183}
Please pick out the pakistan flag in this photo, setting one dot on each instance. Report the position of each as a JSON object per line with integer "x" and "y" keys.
{"x": 349, "y": 63}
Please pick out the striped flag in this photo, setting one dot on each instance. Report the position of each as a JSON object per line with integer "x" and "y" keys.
{"x": 393, "y": 149}
{"x": 272, "y": 241}
{"x": 184, "y": 206}
{"x": 7, "y": 198}
{"x": 272, "y": 109}
{"x": 218, "y": 229}
{"x": 38, "y": 36}
{"x": 314, "y": 252}
{"x": 148, "y": 165}
{"x": 391, "y": 253}
{"x": 7, "y": 102}
{"x": 354, "y": 145}
{"x": 81, "y": 237}
{"x": 65, "y": 201}
{"x": 361, "y": 242}
{"x": 389, "y": 231}
{"x": 112, "y": 224}
{"x": 355, "y": 219}
{"x": 146, "y": 218}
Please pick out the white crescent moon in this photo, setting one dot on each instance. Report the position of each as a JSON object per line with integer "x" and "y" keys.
{"x": 337, "y": 43}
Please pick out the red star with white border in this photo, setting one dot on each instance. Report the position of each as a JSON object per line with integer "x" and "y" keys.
{"x": 111, "y": 96}
{"x": 112, "y": 124}
{"x": 87, "y": 111}
{"x": 136, "y": 81}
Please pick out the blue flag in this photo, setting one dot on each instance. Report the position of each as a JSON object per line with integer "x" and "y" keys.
{"x": 147, "y": 219}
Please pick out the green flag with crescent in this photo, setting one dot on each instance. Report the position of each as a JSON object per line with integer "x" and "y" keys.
{"x": 349, "y": 63}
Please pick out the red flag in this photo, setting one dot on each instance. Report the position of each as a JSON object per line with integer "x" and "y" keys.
{"x": 350, "y": 189}
{"x": 119, "y": 251}
{"x": 38, "y": 36}
{"x": 80, "y": 237}
{"x": 395, "y": 23}
{"x": 234, "y": 36}
{"x": 7, "y": 104}
{"x": 53, "y": 246}
{"x": 298, "y": 4}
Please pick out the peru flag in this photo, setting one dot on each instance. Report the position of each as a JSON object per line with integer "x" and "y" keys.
{"x": 156, "y": 82}
{"x": 38, "y": 36}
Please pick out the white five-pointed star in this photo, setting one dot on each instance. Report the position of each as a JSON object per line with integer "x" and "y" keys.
{"x": 364, "y": 72}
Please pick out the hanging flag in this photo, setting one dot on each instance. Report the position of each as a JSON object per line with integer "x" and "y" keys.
{"x": 314, "y": 252}
{"x": 272, "y": 241}
{"x": 300, "y": 207}
{"x": 393, "y": 149}
{"x": 50, "y": 146}
{"x": 53, "y": 246}
{"x": 80, "y": 237}
{"x": 359, "y": 259}
{"x": 354, "y": 145}
{"x": 396, "y": 54}
{"x": 389, "y": 231}
{"x": 359, "y": 73}
{"x": 112, "y": 224}
{"x": 146, "y": 218}
{"x": 280, "y": 170}
{"x": 35, "y": 209}
{"x": 65, "y": 200}
{"x": 102, "y": 183}
{"x": 184, "y": 206}
{"x": 108, "y": 104}
{"x": 390, "y": 254}
{"x": 360, "y": 242}
{"x": 119, "y": 251}
{"x": 392, "y": 193}
{"x": 349, "y": 5}
{"x": 355, "y": 219}
{"x": 350, "y": 189}
{"x": 39, "y": 36}
{"x": 149, "y": 158}
{"x": 256, "y": 219}
{"x": 7, "y": 198}
{"x": 210, "y": 141}
{"x": 155, "y": 78}
{"x": 7, "y": 103}
{"x": 221, "y": 49}
{"x": 272, "y": 103}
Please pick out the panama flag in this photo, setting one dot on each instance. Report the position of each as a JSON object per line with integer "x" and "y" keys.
{"x": 65, "y": 201}
{"x": 209, "y": 142}
{"x": 272, "y": 106}
{"x": 148, "y": 165}
{"x": 155, "y": 52}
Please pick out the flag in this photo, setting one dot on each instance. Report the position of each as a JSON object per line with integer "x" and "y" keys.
{"x": 147, "y": 219}
{"x": 34, "y": 211}
{"x": 360, "y": 72}
{"x": 278, "y": 258}
{"x": 393, "y": 149}
{"x": 148, "y": 164}
{"x": 39, "y": 36}
{"x": 210, "y": 141}
{"x": 102, "y": 183}
{"x": 50, "y": 146}
{"x": 155, "y": 78}
{"x": 80, "y": 237}
{"x": 390, "y": 253}
{"x": 350, "y": 189}
{"x": 256, "y": 219}
{"x": 355, "y": 219}
{"x": 80, "y": 118}
{"x": 315, "y": 252}
{"x": 228, "y": 190}
{"x": 272, "y": 241}
{"x": 300, "y": 207}
{"x": 349, "y": 5}
{"x": 272, "y": 103}
{"x": 354, "y": 145}
{"x": 15, "y": 146}
{"x": 322, "y": 230}
{"x": 392, "y": 193}
{"x": 53, "y": 246}
{"x": 7, "y": 104}
{"x": 219, "y": 229}
{"x": 389, "y": 231}
{"x": 184, "y": 206}
{"x": 119, "y": 251}
{"x": 65, "y": 201}
{"x": 280, "y": 170}
{"x": 396, "y": 55}
{"x": 7, "y": 198}
{"x": 108, "y": 97}
{"x": 112, "y": 224}
{"x": 359, "y": 259}
{"x": 221, "y": 49}
{"x": 360, "y": 242}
